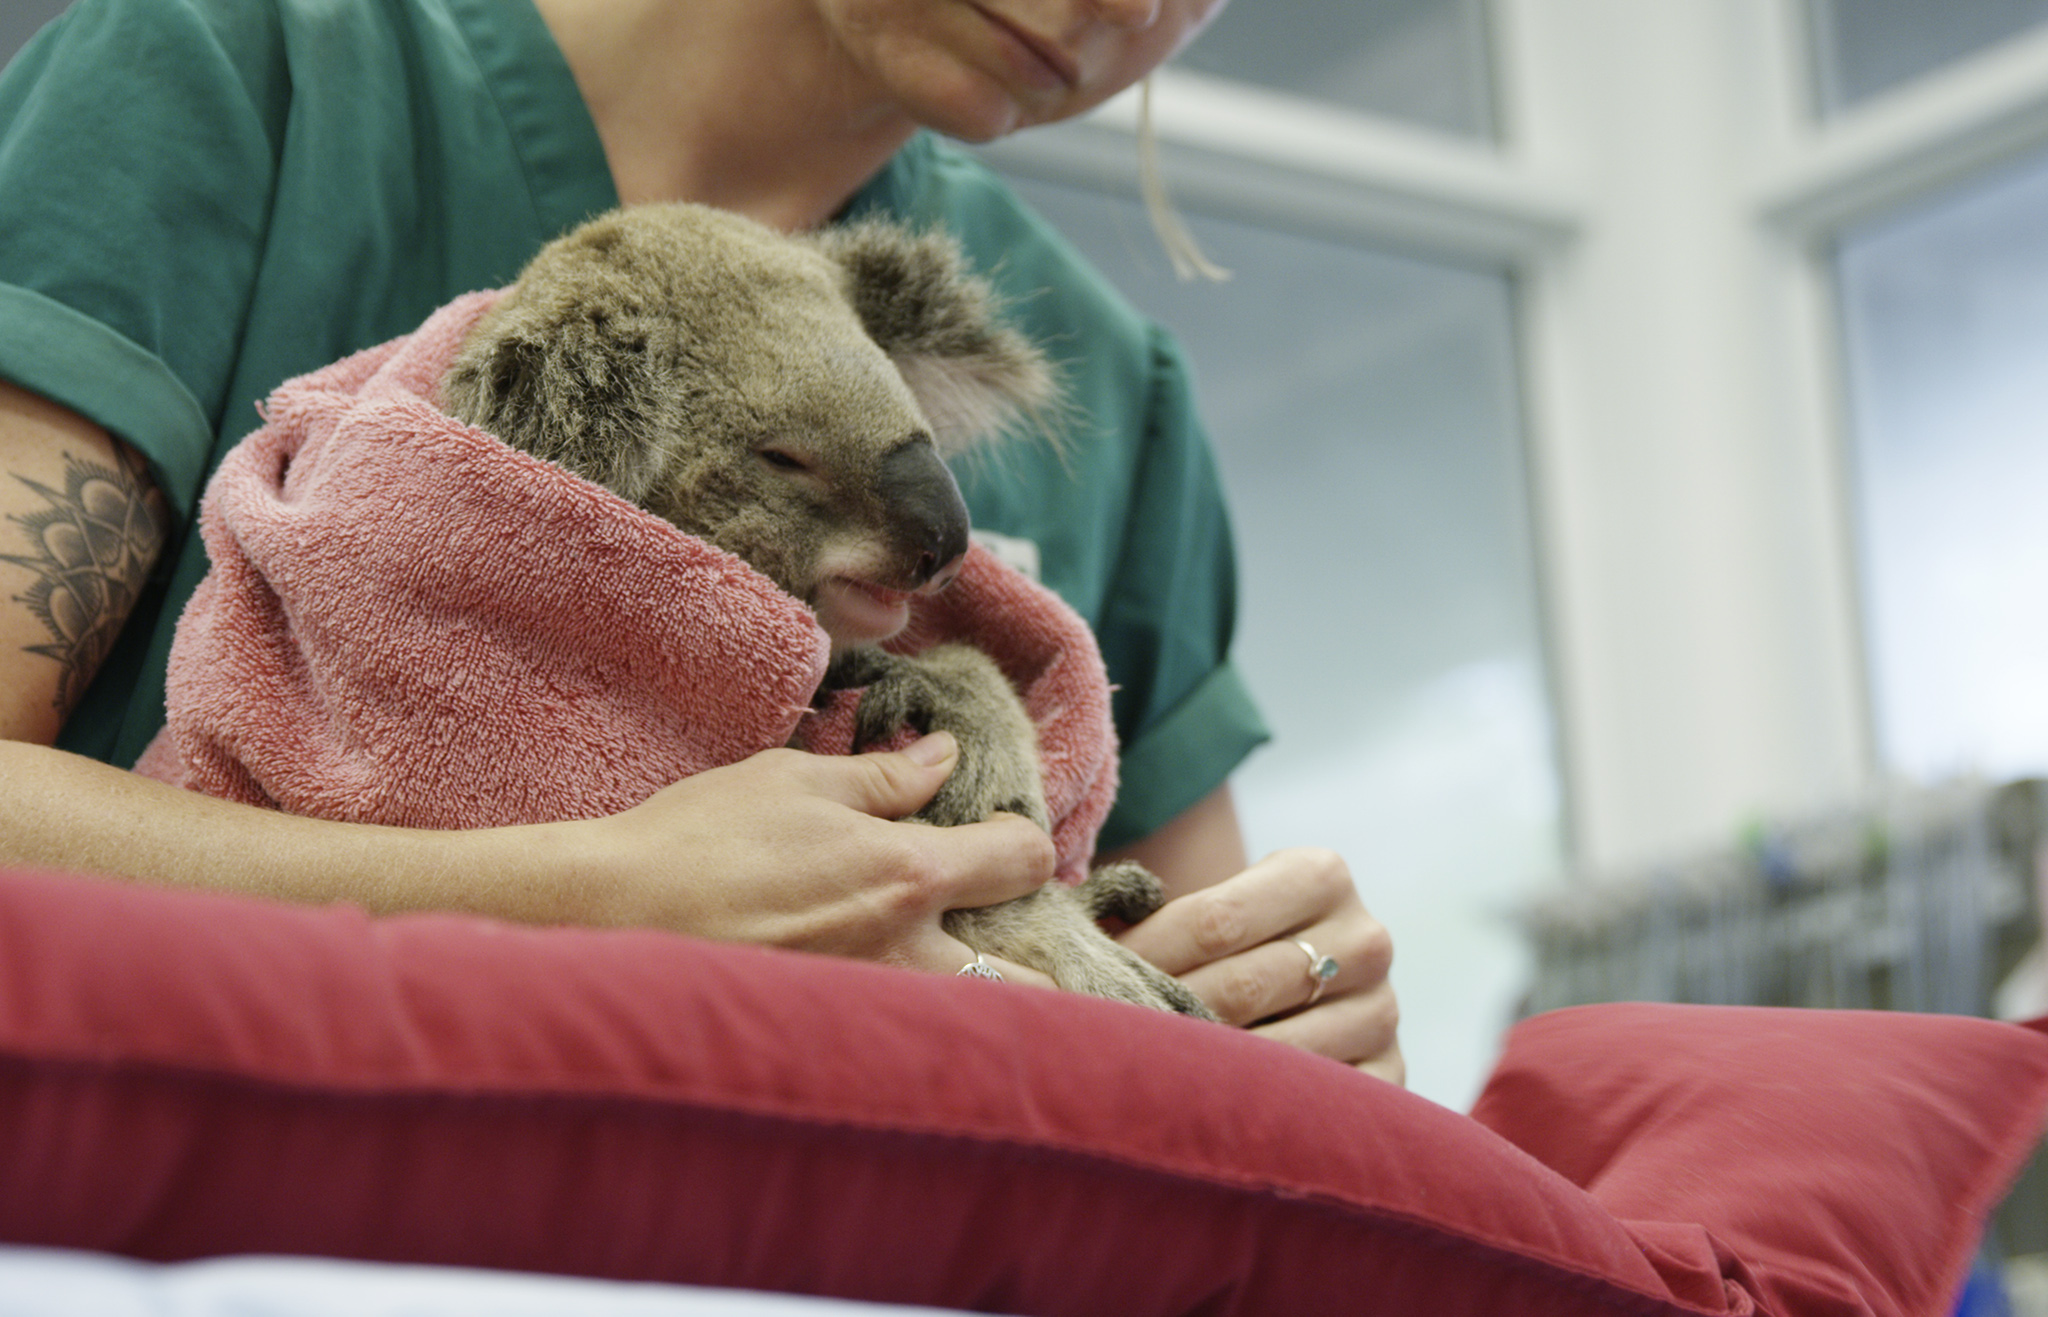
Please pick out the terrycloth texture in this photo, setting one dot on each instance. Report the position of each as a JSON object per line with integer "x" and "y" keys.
{"x": 408, "y": 622}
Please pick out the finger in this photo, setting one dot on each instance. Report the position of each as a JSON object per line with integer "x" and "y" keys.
{"x": 1390, "y": 1065}
{"x": 975, "y": 864}
{"x": 936, "y": 869}
{"x": 1294, "y": 971}
{"x": 916, "y": 872}
{"x": 984, "y": 863}
{"x": 1255, "y": 984}
{"x": 1360, "y": 1028}
{"x": 1285, "y": 891}
{"x": 886, "y": 784}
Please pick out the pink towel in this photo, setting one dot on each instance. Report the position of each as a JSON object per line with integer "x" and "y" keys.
{"x": 408, "y": 622}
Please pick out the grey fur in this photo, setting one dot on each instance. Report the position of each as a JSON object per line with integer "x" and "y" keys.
{"x": 788, "y": 400}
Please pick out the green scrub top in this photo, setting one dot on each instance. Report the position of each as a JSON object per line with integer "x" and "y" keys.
{"x": 202, "y": 198}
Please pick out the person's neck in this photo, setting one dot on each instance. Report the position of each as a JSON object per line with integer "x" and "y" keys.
{"x": 742, "y": 104}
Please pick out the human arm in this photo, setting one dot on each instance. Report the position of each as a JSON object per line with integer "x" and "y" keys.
{"x": 787, "y": 849}
{"x": 783, "y": 849}
{"x": 1229, "y": 931}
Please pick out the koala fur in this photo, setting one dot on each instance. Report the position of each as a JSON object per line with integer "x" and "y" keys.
{"x": 791, "y": 400}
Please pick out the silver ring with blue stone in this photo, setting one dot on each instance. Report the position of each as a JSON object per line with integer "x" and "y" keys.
{"x": 1321, "y": 969}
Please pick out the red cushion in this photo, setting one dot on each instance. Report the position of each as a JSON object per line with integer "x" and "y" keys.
{"x": 185, "y": 1074}
{"x": 1845, "y": 1158}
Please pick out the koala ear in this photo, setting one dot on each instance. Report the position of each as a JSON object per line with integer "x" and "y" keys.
{"x": 973, "y": 375}
{"x": 570, "y": 393}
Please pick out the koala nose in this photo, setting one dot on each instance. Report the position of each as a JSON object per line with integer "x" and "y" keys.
{"x": 927, "y": 514}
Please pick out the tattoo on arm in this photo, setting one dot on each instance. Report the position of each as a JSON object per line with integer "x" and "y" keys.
{"x": 91, "y": 550}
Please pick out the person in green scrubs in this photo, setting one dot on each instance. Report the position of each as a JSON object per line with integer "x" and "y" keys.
{"x": 202, "y": 198}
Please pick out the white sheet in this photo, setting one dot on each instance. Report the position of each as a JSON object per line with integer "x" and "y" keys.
{"x": 38, "y": 1282}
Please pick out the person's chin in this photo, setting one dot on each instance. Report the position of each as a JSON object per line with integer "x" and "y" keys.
{"x": 978, "y": 118}
{"x": 968, "y": 103}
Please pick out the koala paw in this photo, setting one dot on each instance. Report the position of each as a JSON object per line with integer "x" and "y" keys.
{"x": 957, "y": 689}
{"x": 1125, "y": 890}
{"x": 1053, "y": 931}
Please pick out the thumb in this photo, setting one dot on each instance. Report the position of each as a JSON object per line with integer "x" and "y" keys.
{"x": 895, "y": 783}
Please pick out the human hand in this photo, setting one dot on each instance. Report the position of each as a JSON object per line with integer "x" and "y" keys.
{"x": 1235, "y": 945}
{"x": 805, "y": 851}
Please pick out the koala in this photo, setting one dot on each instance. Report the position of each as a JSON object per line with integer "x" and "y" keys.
{"x": 791, "y": 400}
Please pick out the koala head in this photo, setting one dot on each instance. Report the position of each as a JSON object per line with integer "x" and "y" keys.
{"x": 788, "y": 399}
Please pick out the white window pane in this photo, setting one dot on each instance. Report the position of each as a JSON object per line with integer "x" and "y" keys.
{"x": 1424, "y": 62}
{"x": 1946, "y": 322}
{"x": 1365, "y": 412}
{"x": 1863, "y": 47}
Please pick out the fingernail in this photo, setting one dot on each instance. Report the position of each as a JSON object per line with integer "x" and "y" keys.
{"x": 931, "y": 750}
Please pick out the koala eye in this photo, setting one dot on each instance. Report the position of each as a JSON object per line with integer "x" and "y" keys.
{"x": 784, "y": 461}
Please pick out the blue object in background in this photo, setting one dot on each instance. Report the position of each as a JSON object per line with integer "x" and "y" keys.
{"x": 1984, "y": 1292}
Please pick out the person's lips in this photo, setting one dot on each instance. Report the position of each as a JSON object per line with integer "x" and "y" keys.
{"x": 1040, "y": 60}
